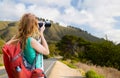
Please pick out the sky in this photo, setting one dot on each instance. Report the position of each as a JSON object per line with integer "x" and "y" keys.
{"x": 97, "y": 17}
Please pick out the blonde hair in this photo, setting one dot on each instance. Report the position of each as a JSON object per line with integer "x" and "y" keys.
{"x": 28, "y": 27}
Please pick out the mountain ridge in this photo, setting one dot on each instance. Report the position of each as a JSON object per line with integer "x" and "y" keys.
{"x": 53, "y": 33}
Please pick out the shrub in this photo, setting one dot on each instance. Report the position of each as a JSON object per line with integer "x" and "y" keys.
{"x": 93, "y": 74}
{"x": 69, "y": 64}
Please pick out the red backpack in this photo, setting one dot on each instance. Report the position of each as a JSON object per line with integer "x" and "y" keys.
{"x": 14, "y": 65}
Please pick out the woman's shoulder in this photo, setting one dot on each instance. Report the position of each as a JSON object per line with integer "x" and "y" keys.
{"x": 32, "y": 39}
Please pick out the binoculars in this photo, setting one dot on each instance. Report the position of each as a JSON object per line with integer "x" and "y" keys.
{"x": 47, "y": 23}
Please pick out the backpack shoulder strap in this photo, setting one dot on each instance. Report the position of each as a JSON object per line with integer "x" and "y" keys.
{"x": 17, "y": 56}
{"x": 34, "y": 63}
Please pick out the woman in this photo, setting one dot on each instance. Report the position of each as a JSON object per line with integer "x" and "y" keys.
{"x": 28, "y": 34}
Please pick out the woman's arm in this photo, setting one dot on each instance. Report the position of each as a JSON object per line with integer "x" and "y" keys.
{"x": 40, "y": 48}
{"x": 43, "y": 47}
{"x": 44, "y": 43}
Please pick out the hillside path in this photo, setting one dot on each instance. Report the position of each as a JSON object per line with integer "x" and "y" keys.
{"x": 61, "y": 70}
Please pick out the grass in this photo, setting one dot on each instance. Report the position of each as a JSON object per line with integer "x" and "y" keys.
{"x": 1, "y": 64}
{"x": 3, "y": 24}
{"x": 1, "y": 60}
{"x": 107, "y": 72}
{"x": 68, "y": 63}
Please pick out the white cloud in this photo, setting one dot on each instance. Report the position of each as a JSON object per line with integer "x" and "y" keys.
{"x": 57, "y": 3}
{"x": 103, "y": 15}
{"x": 10, "y": 10}
{"x": 44, "y": 12}
{"x": 113, "y": 34}
{"x": 98, "y": 14}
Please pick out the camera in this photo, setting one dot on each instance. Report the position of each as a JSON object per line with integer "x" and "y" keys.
{"x": 47, "y": 23}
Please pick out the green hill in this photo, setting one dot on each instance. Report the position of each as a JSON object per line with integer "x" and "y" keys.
{"x": 7, "y": 29}
{"x": 54, "y": 33}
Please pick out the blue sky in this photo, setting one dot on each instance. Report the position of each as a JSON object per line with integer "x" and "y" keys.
{"x": 98, "y": 17}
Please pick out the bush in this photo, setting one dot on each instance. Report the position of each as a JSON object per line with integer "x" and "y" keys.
{"x": 69, "y": 64}
{"x": 1, "y": 45}
{"x": 93, "y": 74}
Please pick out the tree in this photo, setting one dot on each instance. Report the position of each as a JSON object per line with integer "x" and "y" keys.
{"x": 53, "y": 49}
{"x": 67, "y": 46}
{"x": 104, "y": 54}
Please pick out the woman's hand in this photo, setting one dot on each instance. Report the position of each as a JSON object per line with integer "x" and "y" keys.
{"x": 42, "y": 28}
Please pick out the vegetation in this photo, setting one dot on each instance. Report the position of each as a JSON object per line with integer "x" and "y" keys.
{"x": 68, "y": 63}
{"x": 107, "y": 72}
{"x": 1, "y": 44}
{"x": 53, "y": 49}
{"x": 8, "y": 29}
{"x": 105, "y": 53}
{"x": 3, "y": 25}
{"x": 93, "y": 74}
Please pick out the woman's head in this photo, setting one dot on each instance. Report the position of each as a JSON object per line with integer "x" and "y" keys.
{"x": 28, "y": 27}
